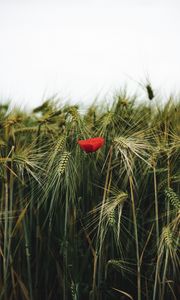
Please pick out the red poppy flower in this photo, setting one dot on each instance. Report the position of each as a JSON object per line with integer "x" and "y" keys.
{"x": 92, "y": 144}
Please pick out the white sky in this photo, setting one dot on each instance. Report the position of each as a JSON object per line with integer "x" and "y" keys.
{"x": 80, "y": 48}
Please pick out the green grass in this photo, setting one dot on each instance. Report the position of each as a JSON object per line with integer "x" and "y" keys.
{"x": 102, "y": 225}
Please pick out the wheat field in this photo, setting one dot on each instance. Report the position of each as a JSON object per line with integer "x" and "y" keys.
{"x": 100, "y": 225}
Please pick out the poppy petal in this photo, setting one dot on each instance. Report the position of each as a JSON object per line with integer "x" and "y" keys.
{"x": 91, "y": 144}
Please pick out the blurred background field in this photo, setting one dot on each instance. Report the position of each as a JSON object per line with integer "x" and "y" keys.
{"x": 81, "y": 49}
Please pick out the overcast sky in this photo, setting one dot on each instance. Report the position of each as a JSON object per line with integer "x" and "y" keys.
{"x": 79, "y": 49}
